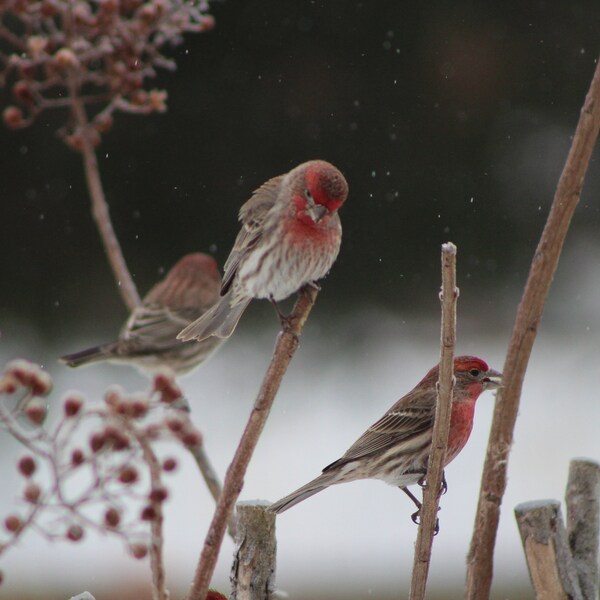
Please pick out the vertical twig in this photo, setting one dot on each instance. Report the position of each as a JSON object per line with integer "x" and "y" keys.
{"x": 287, "y": 342}
{"x": 493, "y": 483}
{"x": 544, "y": 538}
{"x": 441, "y": 426}
{"x": 253, "y": 568}
{"x": 159, "y": 589}
{"x": 100, "y": 212}
{"x": 583, "y": 507}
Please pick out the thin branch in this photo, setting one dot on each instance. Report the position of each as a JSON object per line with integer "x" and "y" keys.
{"x": 159, "y": 590}
{"x": 441, "y": 426}
{"x": 99, "y": 206}
{"x": 285, "y": 347}
{"x": 529, "y": 314}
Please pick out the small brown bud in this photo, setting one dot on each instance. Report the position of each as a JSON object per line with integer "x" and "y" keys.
{"x": 113, "y": 396}
{"x": 175, "y": 424}
{"x": 77, "y": 457}
{"x": 169, "y": 464}
{"x": 73, "y": 404}
{"x": 192, "y": 438}
{"x": 157, "y": 100}
{"x": 97, "y": 442}
{"x": 13, "y": 523}
{"x": 75, "y": 533}
{"x": 148, "y": 513}
{"x": 139, "y": 408}
{"x": 112, "y": 518}
{"x": 27, "y": 466}
{"x": 214, "y": 595}
{"x": 32, "y": 493}
{"x": 159, "y": 494}
{"x": 36, "y": 411}
{"x": 8, "y": 384}
{"x": 165, "y": 385}
{"x": 48, "y": 9}
{"x": 128, "y": 475}
{"x": 65, "y": 59}
{"x": 138, "y": 550}
{"x": 13, "y": 117}
{"x": 103, "y": 123}
{"x": 22, "y": 92}
{"x": 36, "y": 44}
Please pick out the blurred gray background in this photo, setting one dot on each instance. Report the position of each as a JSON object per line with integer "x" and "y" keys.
{"x": 451, "y": 121}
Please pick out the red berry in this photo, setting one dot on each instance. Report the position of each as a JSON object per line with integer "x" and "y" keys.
{"x": 27, "y": 466}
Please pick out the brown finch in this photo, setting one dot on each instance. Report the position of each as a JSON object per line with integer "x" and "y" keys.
{"x": 396, "y": 448}
{"x": 149, "y": 337}
{"x": 290, "y": 236}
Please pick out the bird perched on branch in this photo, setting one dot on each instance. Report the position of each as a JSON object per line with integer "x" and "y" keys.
{"x": 290, "y": 236}
{"x": 396, "y": 448}
{"x": 149, "y": 337}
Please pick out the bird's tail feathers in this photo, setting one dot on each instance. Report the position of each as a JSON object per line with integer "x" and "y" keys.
{"x": 306, "y": 491}
{"x": 219, "y": 321}
{"x": 89, "y": 355}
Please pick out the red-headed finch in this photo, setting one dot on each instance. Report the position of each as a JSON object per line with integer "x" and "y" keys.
{"x": 290, "y": 236}
{"x": 149, "y": 337}
{"x": 396, "y": 448}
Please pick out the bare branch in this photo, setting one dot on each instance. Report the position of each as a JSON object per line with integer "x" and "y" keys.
{"x": 441, "y": 426}
{"x": 99, "y": 205}
{"x": 583, "y": 506}
{"x": 285, "y": 347}
{"x": 529, "y": 314}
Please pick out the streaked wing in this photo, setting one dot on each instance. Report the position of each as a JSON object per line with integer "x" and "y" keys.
{"x": 395, "y": 426}
{"x": 156, "y": 327}
{"x": 252, "y": 216}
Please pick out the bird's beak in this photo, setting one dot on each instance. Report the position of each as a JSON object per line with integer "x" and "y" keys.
{"x": 492, "y": 380}
{"x": 317, "y": 212}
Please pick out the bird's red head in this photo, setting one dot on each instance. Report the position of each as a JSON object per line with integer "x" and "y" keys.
{"x": 473, "y": 376}
{"x": 196, "y": 263}
{"x": 318, "y": 188}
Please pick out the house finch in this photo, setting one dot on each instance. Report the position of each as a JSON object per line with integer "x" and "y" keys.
{"x": 396, "y": 448}
{"x": 148, "y": 338}
{"x": 290, "y": 236}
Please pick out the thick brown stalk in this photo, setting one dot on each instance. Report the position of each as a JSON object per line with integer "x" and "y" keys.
{"x": 287, "y": 342}
{"x": 441, "y": 426}
{"x": 529, "y": 314}
{"x": 99, "y": 206}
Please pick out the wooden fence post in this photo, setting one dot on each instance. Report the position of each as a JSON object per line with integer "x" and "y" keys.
{"x": 253, "y": 569}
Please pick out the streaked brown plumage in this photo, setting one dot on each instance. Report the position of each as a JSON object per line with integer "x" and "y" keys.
{"x": 149, "y": 337}
{"x": 396, "y": 448}
{"x": 290, "y": 236}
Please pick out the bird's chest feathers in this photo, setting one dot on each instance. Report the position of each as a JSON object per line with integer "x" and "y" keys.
{"x": 304, "y": 232}
{"x": 461, "y": 423}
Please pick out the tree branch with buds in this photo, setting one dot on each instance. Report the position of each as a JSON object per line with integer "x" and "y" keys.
{"x": 285, "y": 347}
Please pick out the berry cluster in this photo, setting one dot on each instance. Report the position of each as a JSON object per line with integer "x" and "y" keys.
{"x": 96, "y": 53}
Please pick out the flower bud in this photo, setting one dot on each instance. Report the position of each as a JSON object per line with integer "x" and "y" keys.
{"x": 159, "y": 494}
{"x": 138, "y": 550}
{"x": 169, "y": 464}
{"x": 128, "y": 475}
{"x": 32, "y": 493}
{"x": 36, "y": 411}
{"x": 112, "y": 518}
{"x": 13, "y": 523}
{"x": 27, "y": 466}
{"x": 75, "y": 533}
{"x": 73, "y": 404}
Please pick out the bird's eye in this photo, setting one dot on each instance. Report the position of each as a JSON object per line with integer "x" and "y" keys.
{"x": 308, "y": 195}
{"x": 475, "y": 372}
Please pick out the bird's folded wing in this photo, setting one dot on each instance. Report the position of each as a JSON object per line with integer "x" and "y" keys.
{"x": 252, "y": 216}
{"x": 395, "y": 426}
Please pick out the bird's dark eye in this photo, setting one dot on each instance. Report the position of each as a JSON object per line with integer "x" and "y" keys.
{"x": 475, "y": 372}
{"x": 308, "y": 195}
